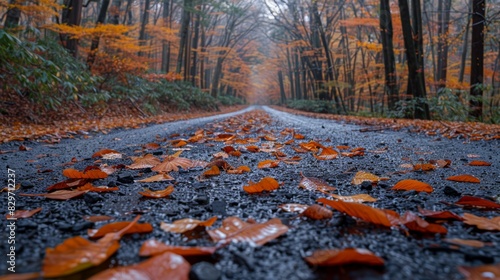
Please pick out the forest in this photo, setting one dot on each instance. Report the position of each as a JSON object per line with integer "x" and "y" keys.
{"x": 406, "y": 59}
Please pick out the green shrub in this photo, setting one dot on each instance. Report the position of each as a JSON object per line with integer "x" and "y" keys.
{"x": 315, "y": 106}
{"x": 228, "y": 100}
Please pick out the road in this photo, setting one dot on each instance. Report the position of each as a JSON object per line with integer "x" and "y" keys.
{"x": 388, "y": 154}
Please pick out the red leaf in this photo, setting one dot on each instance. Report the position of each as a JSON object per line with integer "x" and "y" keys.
{"x": 415, "y": 185}
{"x": 23, "y": 213}
{"x": 335, "y": 257}
{"x": 477, "y": 202}
{"x": 415, "y": 223}
{"x": 153, "y": 247}
{"x": 358, "y": 210}
{"x": 444, "y": 215}
{"x": 90, "y": 174}
{"x": 70, "y": 183}
{"x": 58, "y": 195}
{"x": 317, "y": 212}
{"x": 479, "y": 163}
{"x": 117, "y": 226}
{"x": 465, "y": 178}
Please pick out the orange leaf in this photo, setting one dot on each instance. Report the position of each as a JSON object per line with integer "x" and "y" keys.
{"x": 317, "y": 212}
{"x": 165, "y": 266}
{"x": 172, "y": 163}
{"x": 362, "y": 176}
{"x": 252, "y": 149}
{"x": 77, "y": 253}
{"x": 266, "y": 184}
{"x": 70, "y": 183}
{"x": 335, "y": 257}
{"x": 224, "y": 137}
{"x": 152, "y": 146}
{"x": 58, "y": 195}
{"x": 311, "y": 146}
{"x": 183, "y": 225}
{"x": 424, "y": 167}
{"x": 415, "y": 223}
{"x": 156, "y": 178}
{"x": 234, "y": 229}
{"x": 228, "y": 149}
{"x": 91, "y": 188}
{"x": 359, "y": 198}
{"x": 445, "y": 215}
{"x": 95, "y": 219}
{"x": 315, "y": 184}
{"x": 268, "y": 163}
{"x": 178, "y": 143}
{"x": 482, "y": 272}
{"x": 213, "y": 171}
{"x": 479, "y": 163}
{"x": 477, "y": 202}
{"x": 465, "y": 178}
{"x": 358, "y": 210}
{"x": 158, "y": 194}
{"x": 293, "y": 207}
{"x": 409, "y": 184}
{"x": 239, "y": 170}
{"x": 465, "y": 242}
{"x": 153, "y": 247}
{"x": 235, "y": 153}
{"x": 90, "y": 174}
{"x": 103, "y": 152}
{"x": 327, "y": 154}
{"x": 19, "y": 214}
{"x": 482, "y": 222}
{"x": 117, "y": 226}
{"x": 147, "y": 161}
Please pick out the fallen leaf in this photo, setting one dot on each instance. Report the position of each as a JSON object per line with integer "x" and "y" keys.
{"x": 234, "y": 229}
{"x": 311, "y": 146}
{"x": 252, "y": 148}
{"x": 90, "y": 174}
{"x": 165, "y": 266}
{"x": 118, "y": 226}
{"x": 24, "y": 148}
{"x": 362, "y": 176}
{"x": 19, "y": 214}
{"x": 183, "y": 225}
{"x": 359, "y": 198}
{"x": 68, "y": 184}
{"x": 415, "y": 185}
{"x": 415, "y": 223}
{"x": 424, "y": 167}
{"x": 91, "y": 188}
{"x": 482, "y": 222}
{"x": 224, "y": 137}
{"x": 156, "y": 178}
{"x": 336, "y": 257}
{"x": 443, "y": 163}
{"x": 172, "y": 163}
{"x": 239, "y": 170}
{"x": 266, "y": 184}
{"x": 157, "y": 194}
{"x": 147, "y": 161}
{"x": 473, "y": 201}
{"x": 358, "y": 210}
{"x": 103, "y": 152}
{"x": 315, "y": 184}
{"x": 465, "y": 178}
{"x": 444, "y": 215}
{"x": 213, "y": 171}
{"x": 151, "y": 146}
{"x": 268, "y": 163}
{"x": 479, "y": 163}
{"x": 153, "y": 247}
{"x": 293, "y": 207}
{"x": 100, "y": 218}
{"x": 465, "y": 242}
{"x": 317, "y": 212}
{"x": 228, "y": 149}
{"x": 482, "y": 272}
{"x": 77, "y": 253}
{"x": 327, "y": 154}
{"x": 58, "y": 195}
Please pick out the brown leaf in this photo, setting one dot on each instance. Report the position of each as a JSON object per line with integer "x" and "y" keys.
{"x": 268, "y": 163}
{"x": 91, "y": 188}
{"x": 103, "y": 152}
{"x": 415, "y": 223}
{"x": 147, "y": 161}
{"x": 239, "y": 170}
{"x": 165, "y": 266}
{"x": 327, "y": 154}
{"x": 77, "y": 253}
{"x": 228, "y": 149}
{"x": 100, "y": 218}
{"x": 158, "y": 194}
{"x": 19, "y": 214}
{"x": 151, "y": 146}
{"x": 234, "y": 229}
{"x": 213, "y": 171}
{"x": 252, "y": 148}
{"x": 58, "y": 195}
{"x": 358, "y": 210}
{"x": 293, "y": 207}
{"x": 90, "y": 174}
{"x": 152, "y": 247}
{"x": 482, "y": 222}
{"x": 424, "y": 167}
{"x": 220, "y": 163}
{"x": 315, "y": 184}
{"x": 465, "y": 242}
{"x": 359, "y": 198}
{"x": 118, "y": 226}
{"x": 183, "y": 225}
{"x": 362, "y": 176}
{"x": 68, "y": 184}
{"x": 415, "y": 185}
{"x": 482, "y": 272}
{"x": 266, "y": 184}
{"x": 479, "y": 163}
{"x": 443, "y": 215}
{"x": 473, "y": 201}
{"x": 464, "y": 178}
{"x": 317, "y": 212}
{"x": 311, "y": 146}
{"x": 335, "y": 257}
{"x": 156, "y": 178}
{"x": 172, "y": 163}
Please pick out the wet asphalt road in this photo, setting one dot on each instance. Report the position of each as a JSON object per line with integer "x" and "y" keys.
{"x": 410, "y": 256}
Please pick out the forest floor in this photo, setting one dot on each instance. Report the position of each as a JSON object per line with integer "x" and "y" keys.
{"x": 315, "y": 159}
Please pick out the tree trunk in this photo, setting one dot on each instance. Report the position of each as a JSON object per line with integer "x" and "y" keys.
{"x": 94, "y": 46}
{"x": 282, "y": 87}
{"x": 13, "y": 16}
{"x": 142, "y": 32}
{"x": 72, "y": 16}
{"x": 185, "y": 20}
{"x": 442, "y": 51}
{"x": 463, "y": 58}
{"x": 195, "y": 48}
{"x": 114, "y": 12}
{"x": 477, "y": 59}
{"x": 165, "y": 47}
{"x": 386, "y": 34}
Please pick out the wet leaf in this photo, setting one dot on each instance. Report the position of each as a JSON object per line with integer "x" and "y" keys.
{"x": 164, "y": 266}
{"x": 20, "y": 214}
{"x": 424, "y": 167}
{"x": 317, "y": 212}
{"x": 311, "y": 146}
{"x": 68, "y": 184}
{"x": 236, "y": 230}
{"x": 359, "y": 198}
{"x": 90, "y": 174}
{"x": 99, "y": 218}
{"x": 213, "y": 171}
{"x": 315, "y": 184}
{"x": 118, "y": 226}
{"x": 172, "y": 163}
{"x": 362, "y": 176}
{"x": 336, "y": 257}
{"x": 465, "y": 242}
{"x": 266, "y": 184}
{"x": 77, "y": 253}
{"x": 91, "y": 188}
{"x": 477, "y": 202}
{"x": 358, "y": 210}
{"x": 57, "y": 195}
{"x": 252, "y": 148}
{"x": 415, "y": 185}
{"x": 415, "y": 223}
{"x": 156, "y": 178}
{"x": 103, "y": 152}
{"x": 327, "y": 154}
{"x": 183, "y": 225}
{"x": 482, "y": 272}
{"x": 157, "y": 194}
{"x": 151, "y": 146}
{"x": 465, "y": 178}
{"x": 268, "y": 163}
{"x": 147, "y": 161}
{"x": 479, "y": 163}
{"x": 228, "y": 149}
{"x": 239, "y": 170}
{"x": 293, "y": 207}
{"x": 153, "y": 247}
{"x": 443, "y": 215}
{"x": 482, "y": 222}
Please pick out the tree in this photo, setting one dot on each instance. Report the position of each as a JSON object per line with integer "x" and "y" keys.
{"x": 72, "y": 16}
{"x": 391, "y": 86}
{"x": 477, "y": 59}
